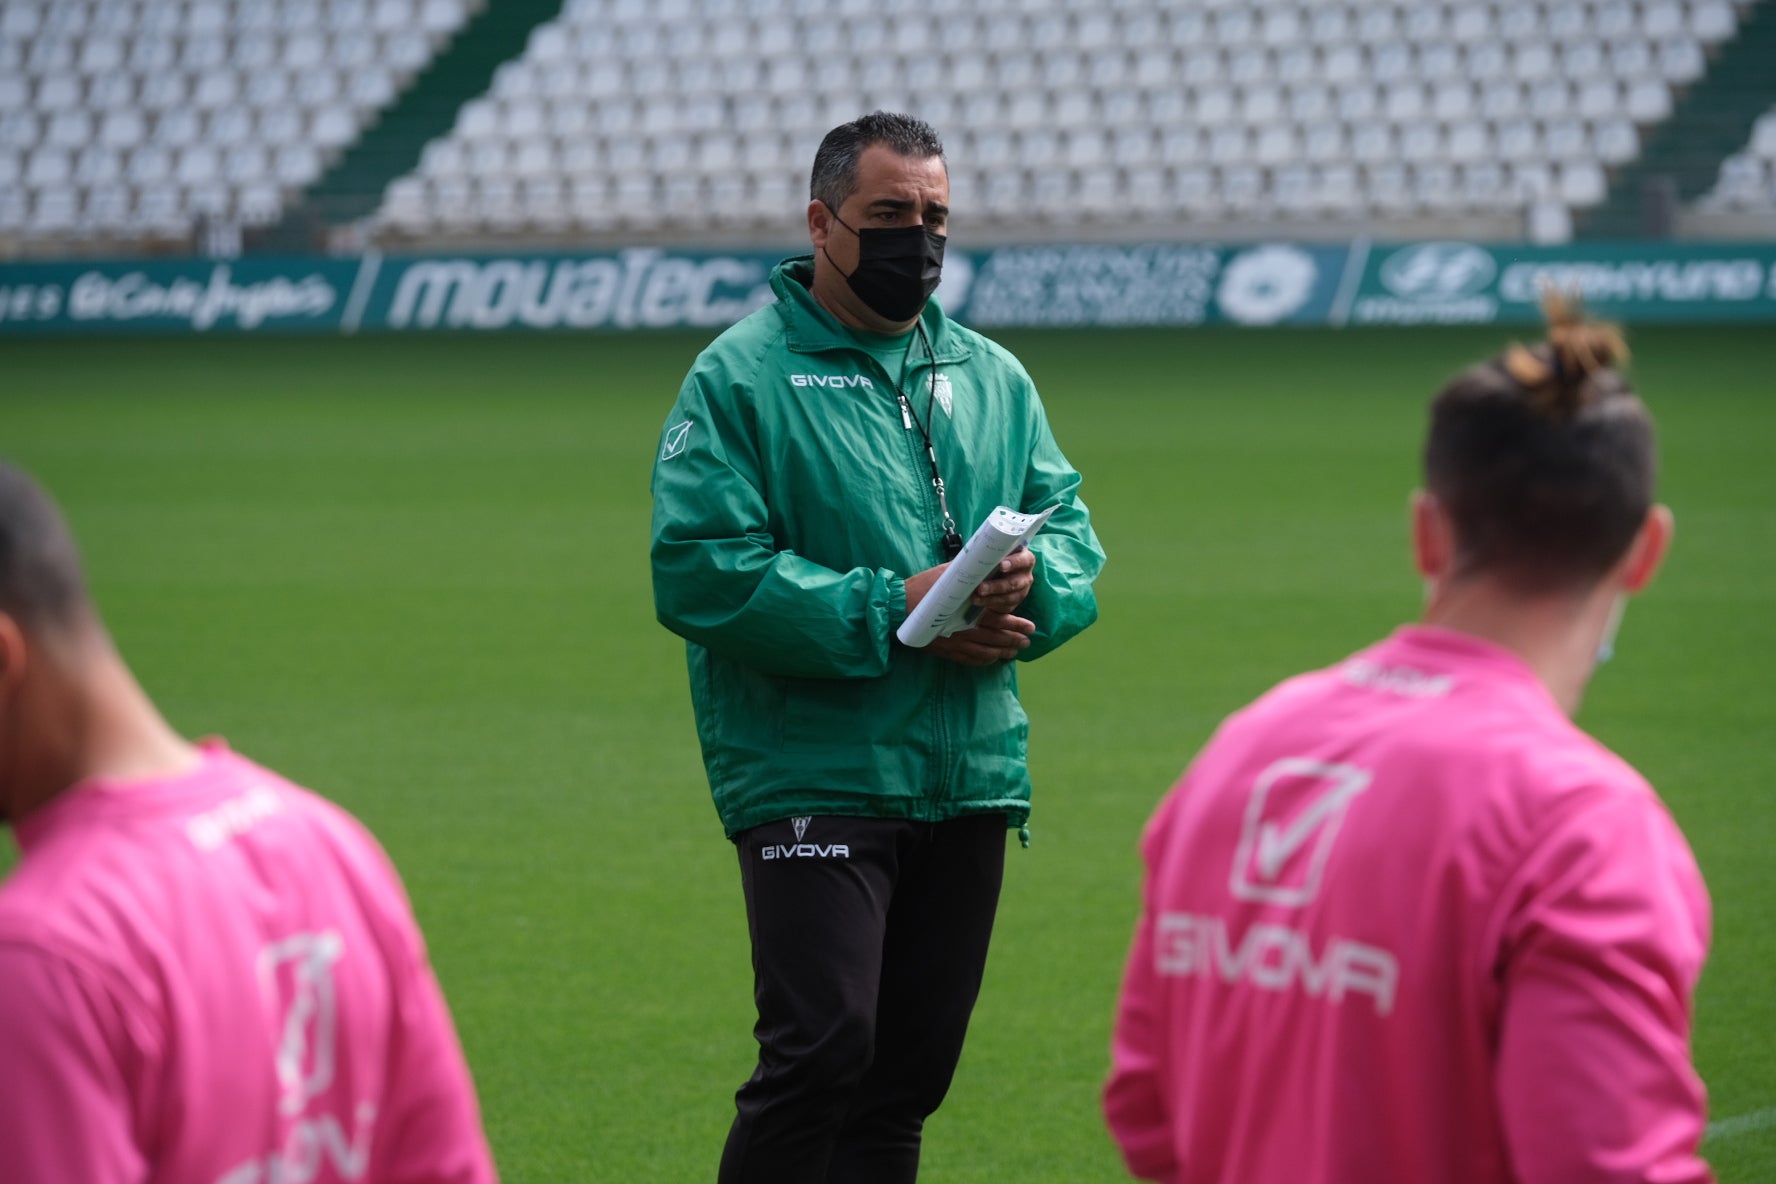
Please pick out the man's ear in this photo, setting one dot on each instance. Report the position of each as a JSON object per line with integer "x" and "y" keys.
{"x": 1647, "y": 552}
{"x": 1433, "y": 538}
{"x": 14, "y": 655}
{"x": 819, "y": 223}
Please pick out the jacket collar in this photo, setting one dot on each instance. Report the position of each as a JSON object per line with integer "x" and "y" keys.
{"x": 810, "y": 329}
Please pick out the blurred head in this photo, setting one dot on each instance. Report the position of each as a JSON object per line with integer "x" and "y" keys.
{"x": 878, "y": 211}
{"x": 42, "y": 588}
{"x": 1541, "y": 464}
{"x": 47, "y": 624}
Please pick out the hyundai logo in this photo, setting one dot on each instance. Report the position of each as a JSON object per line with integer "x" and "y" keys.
{"x": 1438, "y": 271}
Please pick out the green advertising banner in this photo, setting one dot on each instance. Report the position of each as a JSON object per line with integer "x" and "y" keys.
{"x": 175, "y": 296}
{"x": 642, "y": 288}
{"x": 1053, "y": 285}
{"x": 1164, "y": 284}
{"x": 1180, "y": 284}
{"x": 1459, "y": 283}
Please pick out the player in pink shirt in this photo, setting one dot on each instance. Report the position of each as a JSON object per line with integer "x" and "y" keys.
{"x": 207, "y": 974}
{"x": 1402, "y": 920}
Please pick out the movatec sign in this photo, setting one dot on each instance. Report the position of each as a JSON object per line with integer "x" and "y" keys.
{"x": 1059, "y": 285}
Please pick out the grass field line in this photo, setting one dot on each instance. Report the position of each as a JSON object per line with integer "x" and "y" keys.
{"x": 1740, "y": 1124}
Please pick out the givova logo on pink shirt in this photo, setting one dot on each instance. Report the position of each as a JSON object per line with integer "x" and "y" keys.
{"x": 1292, "y": 820}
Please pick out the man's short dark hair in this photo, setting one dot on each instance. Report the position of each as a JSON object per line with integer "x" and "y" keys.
{"x": 1544, "y": 457}
{"x": 835, "y": 162}
{"x": 41, "y": 584}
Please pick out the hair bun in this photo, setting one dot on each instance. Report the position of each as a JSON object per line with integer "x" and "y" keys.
{"x": 1557, "y": 373}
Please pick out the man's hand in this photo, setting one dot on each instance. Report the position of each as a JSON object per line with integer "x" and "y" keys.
{"x": 1006, "y": 588}
{"x": 917, "y": 586}
{"x": 1000, "y": 592}
{"x": 996, "y": 637}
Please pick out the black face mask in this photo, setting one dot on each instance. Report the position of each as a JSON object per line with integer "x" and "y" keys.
{"x": 897, "y": 268}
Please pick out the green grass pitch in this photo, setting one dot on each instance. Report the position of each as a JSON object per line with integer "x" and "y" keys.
{"x": 412, "y": 573}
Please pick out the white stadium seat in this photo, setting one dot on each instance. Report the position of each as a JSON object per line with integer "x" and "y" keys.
{"x": 1763, "y": 136}
{"x": 281, "y": 126}
{"x": 246, "y": 163}
{"x": 59, "y": 92}
{"x": 1582, "y": 185}
{"x": 1648, "y": 100}
{"x": 1747, "y": 179}
{"x": 1470, "y": 142}
{"x": 1682, "y": 61}
{"x": 1566, "y": 139}
{"x": 148, "y": 166}
{"x": 197, "y": 165}
{"x": 1616, "y": 141}
{"x": 178, "y": 127}
{"x": 1615, "y": 19}
{"x": 109, "y": 208}
{"x": 15, "y": 91}
{"x": 1713, "y": 20}
{"x": 12, "y": 168}
{"x": 49, "y": 168}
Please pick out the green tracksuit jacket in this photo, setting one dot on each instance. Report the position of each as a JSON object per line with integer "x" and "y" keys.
{"x": 791, "y": 501}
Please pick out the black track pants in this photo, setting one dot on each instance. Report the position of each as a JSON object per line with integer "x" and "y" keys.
{"x": 869, "y": 937}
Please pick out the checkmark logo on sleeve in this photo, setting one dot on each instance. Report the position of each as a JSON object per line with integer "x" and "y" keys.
{"x": 1293, "y": 818}
{"x": 676, "y": 436}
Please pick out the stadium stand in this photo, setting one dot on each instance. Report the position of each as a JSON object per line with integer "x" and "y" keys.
{"x": 1666, "y": 189}
{"x": 669, "y": 118}
{"x": 134, "y": 123}
{"x": 139, "y": 124}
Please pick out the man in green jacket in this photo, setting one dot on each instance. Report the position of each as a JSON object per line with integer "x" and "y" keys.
{"x": 813, "y": 479}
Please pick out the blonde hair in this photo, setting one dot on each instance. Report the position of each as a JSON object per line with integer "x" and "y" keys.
{"x": 1557, "y": 375}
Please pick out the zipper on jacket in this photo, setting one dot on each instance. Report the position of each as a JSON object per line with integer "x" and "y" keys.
{"x": 915, "y": 446}
{"x": 940, "y": 731}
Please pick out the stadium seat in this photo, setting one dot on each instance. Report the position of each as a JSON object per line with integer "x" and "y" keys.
{"x": 149, "y": 166}
{"x": 1747, "y": 178}
{"x": 1648, "y": 100}
{"x": 1339, "y": 189}
{"x": 1713, "y": 21}
{"x": 1616, "y": 141}
{"x": 49, "y": 169}
{"x": 108, "y": 208}
{"x": 15, "y": 209}
{"x": 1453, "y": 99}
{"x": 1681, "y": 61}
{"x": 98, "y": 165}
{"x": 1632, "y": 60}
{"x": 1470, "y": 142}
{"x": 1389, "y": 189}
{"x": 1763, "y": 136}
{"x": 1548, "y": 222}
{"x": 1326, "y": 142}
{"x": 1483, "y": 185}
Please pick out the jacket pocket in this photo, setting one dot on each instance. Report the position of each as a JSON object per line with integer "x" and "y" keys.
{"x": 830, "y": 713}
{"x": 874, "y": 727}
{"x": 741, "y": 711}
